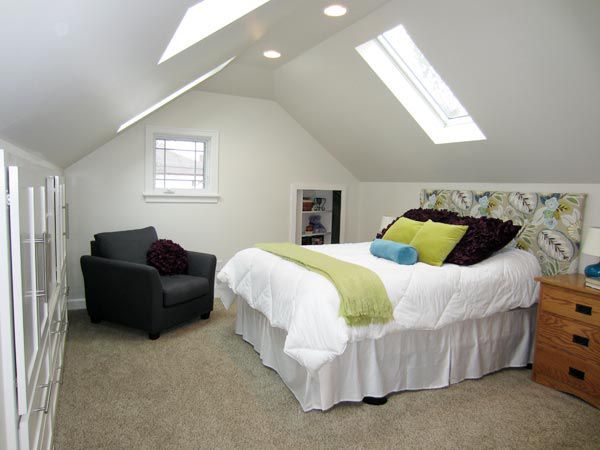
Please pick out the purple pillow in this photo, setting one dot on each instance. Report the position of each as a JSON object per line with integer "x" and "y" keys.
{"x": 485, "y": 236}
{"x": 168, "y": 257}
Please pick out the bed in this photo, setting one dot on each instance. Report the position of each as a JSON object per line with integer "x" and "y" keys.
{"x": 450, "y": 323}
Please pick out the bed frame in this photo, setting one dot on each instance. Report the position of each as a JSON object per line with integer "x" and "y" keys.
{"x": 424, "y": 359}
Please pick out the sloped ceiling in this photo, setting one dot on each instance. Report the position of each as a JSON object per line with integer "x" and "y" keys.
{"x": 527, "y": 71}
{"x": 74, "y": 70}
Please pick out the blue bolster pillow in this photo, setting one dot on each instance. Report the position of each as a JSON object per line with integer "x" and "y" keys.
{"x": 394, "y": 251}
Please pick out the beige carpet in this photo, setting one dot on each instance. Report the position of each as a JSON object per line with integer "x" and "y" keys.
{"x": 201, "y": 386}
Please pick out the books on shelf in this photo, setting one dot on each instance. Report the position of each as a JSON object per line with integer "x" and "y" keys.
{"x": 593, "y": 283}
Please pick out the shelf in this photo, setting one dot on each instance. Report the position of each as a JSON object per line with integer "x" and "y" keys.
{"x": 331, "y": 201}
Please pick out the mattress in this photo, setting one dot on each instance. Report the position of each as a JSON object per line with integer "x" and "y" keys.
{"x": 305, "y": 304}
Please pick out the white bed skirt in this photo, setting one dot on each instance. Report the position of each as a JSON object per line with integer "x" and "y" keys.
{"x": 408, "y": 360}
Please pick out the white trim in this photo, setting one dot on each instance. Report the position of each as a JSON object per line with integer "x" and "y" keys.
{"x": 153, "y": 197}
{"x": 17, "y": 290}
{"x": 74, "y": 304}
{"x": 210, "y": 194}
{"x": 9, "y": 425}
{"x": 295, "y": 187}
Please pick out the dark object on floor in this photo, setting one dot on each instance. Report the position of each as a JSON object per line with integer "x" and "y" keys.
{"x": 377, "y": 401}
{"x": 120, "y": 287}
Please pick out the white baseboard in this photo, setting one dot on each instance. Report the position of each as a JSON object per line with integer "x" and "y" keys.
{"x": 75, "y": 303}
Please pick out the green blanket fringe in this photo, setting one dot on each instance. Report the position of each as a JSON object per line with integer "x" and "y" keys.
{"x": 363, "y": 298}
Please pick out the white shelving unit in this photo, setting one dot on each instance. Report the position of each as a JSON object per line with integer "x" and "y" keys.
{"x": 33, "y": 311}
{"x": 332, "y": 200}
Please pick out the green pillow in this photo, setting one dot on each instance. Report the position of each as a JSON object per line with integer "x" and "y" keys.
{"x": 403, "y": 230}
{"x": 434, "y": 241}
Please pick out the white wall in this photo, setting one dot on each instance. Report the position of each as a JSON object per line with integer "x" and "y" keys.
{"x": 389, "y": 199}
{"x": 262, "y": 151}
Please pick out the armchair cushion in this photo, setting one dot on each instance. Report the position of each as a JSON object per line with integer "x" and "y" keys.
{"x": 130, "y": 245}
{"x": 179, "y": 289}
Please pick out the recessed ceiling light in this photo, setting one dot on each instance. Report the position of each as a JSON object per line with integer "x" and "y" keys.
{"x": 175, "y": 94}
{"x": 205, "y": 18}
{"x": 272, "y": 54}
{"x": 335, "y": 11}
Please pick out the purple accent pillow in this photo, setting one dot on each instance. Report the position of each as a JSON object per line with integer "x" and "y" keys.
{"x": 168, "y": 257}
{"x": 485, "y": 236}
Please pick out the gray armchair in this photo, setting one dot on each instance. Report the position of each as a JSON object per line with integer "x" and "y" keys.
{"x": 120, "y": 287}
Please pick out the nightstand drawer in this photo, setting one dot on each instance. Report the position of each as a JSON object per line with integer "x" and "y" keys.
{"x": 567, "y": 336}
{"x": 567, "y": 373}
{"x": 567, "y": 303}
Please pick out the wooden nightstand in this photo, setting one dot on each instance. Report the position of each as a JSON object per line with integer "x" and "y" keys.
{"x": 567, "y": 341}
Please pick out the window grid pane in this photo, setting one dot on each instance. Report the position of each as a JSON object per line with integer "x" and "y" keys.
{"x": 179, "y": 163}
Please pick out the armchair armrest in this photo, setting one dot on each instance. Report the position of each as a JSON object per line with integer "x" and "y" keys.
{"x": 122, "y": 288}
{"x": 202, "y": 265}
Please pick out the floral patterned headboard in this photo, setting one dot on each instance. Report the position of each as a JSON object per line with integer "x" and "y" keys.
{"x": 550, "y": 222}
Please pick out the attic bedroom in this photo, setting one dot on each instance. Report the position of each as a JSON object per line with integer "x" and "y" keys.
{"x": 301, "y": 224}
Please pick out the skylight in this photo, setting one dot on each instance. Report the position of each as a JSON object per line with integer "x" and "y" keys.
{"x": 403, "y": 68}
{"x": 174, "y": 95}
{"x": 206, "y": 18}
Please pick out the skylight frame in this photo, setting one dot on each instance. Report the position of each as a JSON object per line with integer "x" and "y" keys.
{"x": 406, "y": 86}
{"x": 204, "y": 19}
{"x": 174, "y": 95}
{"x": 418, "y": 83}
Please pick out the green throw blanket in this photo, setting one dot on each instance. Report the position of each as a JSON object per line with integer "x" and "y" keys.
{"x": 363, "y": 298}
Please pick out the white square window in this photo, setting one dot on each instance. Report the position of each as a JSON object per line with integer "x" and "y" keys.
{"x": 182, "y": 165}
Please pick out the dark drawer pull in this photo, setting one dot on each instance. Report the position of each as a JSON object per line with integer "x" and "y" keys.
{"x": 581, "y": 340}
{"x": 576, "y": 373}
{"x": 583, "y": 309}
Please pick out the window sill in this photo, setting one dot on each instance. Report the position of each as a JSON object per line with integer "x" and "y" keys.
{"x": 180, "y": 197}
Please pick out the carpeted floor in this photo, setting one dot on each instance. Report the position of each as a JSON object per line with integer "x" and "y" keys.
{"x": 201, "y": 386}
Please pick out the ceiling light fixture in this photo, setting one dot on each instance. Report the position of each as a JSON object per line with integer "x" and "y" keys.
{"x": 174, "y": 95}
{"x": 272, "y": 54}
{"x": 206, "y": 18}
{"x": 335, "y": 11}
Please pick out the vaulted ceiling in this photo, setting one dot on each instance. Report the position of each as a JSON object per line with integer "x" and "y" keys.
{"x": 74, "y": 70}
{"x": 526, "y": 71}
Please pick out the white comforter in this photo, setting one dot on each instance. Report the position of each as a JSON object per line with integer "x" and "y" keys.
{"x": 306, "y": 304}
